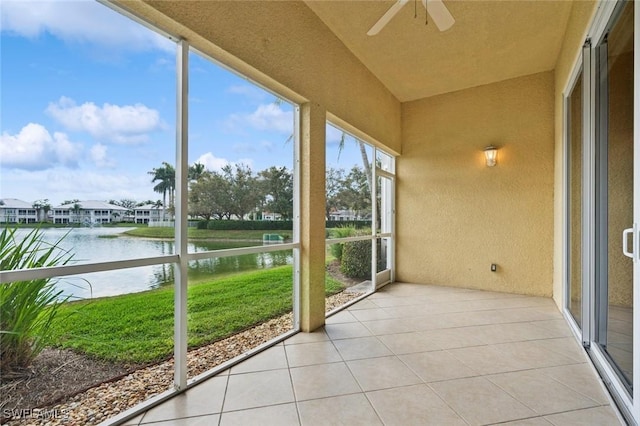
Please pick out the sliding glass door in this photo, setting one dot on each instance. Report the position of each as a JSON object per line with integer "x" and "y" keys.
{"x": 614, "y": 173}
{"x": 602, "y": 186}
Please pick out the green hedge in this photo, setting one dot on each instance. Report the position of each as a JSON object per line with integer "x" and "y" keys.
{"x": 246, "y": 225}
{"x": 358, "y": 224}
{"x": 273, "y": 225}
{"x": 356, "y": 259}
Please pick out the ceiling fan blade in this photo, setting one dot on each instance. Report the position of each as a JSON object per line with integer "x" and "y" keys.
{"x": 439, "y": 14}
{"x": 387, "y": 17}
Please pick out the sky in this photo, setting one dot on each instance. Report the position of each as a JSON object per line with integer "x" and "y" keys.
{"x": 88, "y": 107}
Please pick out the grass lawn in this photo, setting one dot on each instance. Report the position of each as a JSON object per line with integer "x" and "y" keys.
{"x": 138, "y": 327}
{"x": 160, "y": 232}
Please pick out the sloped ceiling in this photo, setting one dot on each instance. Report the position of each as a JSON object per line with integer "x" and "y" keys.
{"x": 490, "y": 41}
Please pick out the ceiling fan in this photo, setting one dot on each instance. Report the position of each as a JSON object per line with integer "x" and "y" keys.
{"x": 436, "y": 8}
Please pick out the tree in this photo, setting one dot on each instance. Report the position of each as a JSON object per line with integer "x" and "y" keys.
{"x": 209, "y": 196}
{"x": 243, "y": 187}
{"x": 76, "y": 212}
{"x": 196, "y": 170}
{"x": 276, "y": 186}
{"x": 42, "y": 208}
{"x": 128, "y": 204}
{"x": 334, "y": 180}
{"x": 354, "y": 193}
{"x": 166, "y": 178}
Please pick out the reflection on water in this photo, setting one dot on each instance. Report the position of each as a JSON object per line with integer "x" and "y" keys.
{"x": 104, "y": 244}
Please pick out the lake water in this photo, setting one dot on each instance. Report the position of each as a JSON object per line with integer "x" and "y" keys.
{"x": 109, "y": 244}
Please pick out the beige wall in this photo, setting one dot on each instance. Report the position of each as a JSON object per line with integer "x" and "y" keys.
{"x": 284, "y": 46}
{"x": 575, "y": 35}
{"x": 456, "y": 216}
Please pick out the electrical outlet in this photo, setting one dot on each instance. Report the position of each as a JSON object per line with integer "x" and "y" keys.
{"x": 494, "y": 267}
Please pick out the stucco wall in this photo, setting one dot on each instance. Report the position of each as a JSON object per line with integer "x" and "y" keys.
{"x": 284, "y": 46}
{"x": 456, "y": 216}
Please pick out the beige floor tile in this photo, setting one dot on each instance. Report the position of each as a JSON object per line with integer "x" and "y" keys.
{"x": 405, "y": 343}
{"x": 530, "y": 314}
{"x": 347, "y": 330}
{"x": 361, "y": 347}
{"x": 348, "y": 410}
{"x": 580, "y": 378}
{"x": 316, "y": 336}
{"x": 382, "y": 373}
{"x": 134, "y": 421}
{"x": 415, "y": 310}
{"x": 565, "y": 346}
{"x": 535, "y": 421}
{"x": 258, "y": 390}
{"x": 533, "y": 388}
{"x": 340, "y": 317}
{"x": 312, "y": 353}
{"x": 510, "y": 332}
{"x": 371, "y": 314}
{"x": 478, "y": 401}
{"x": 273, "y": 358}
{"x": 486, "y": 359}
{"x": 367, "y": 303}
{"x": 324, "y": 380}
{"x": 437, "y": 365}
{"x": 206, "y": 398}
{"x": 390, "y": 326}
{"x": 452, "y": 338}
{"x": 390, "y": 302}
{"x": 273, "y": 415}
{"x": 413, "y": 405}
{"x": 534, "y": 354}
{"x": 599, "y": 416}
{"x": 191, "y": 421}
{"x": 558, "y": 327}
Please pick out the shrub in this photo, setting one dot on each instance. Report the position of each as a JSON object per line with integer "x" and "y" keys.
{"x": 356, "y": 259}
{"x": 27, "y": 307}
{"x": 250, "y": 225}
{"x": 340, "y": 232}
{"x": 358, "y": 224}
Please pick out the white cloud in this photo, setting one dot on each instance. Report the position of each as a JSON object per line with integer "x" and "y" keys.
{"x": 128, "y": 124}
{"x": 79, "y": 22}
{"x": 267, "y": 117}
{"x": 98, "y": 155}
{"x": 34, "y": 148}
{"x": 59, "y": 184}
{"x": 213, "y": 163}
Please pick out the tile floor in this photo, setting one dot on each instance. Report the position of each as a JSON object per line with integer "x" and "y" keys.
{"x": 409, "y": 354}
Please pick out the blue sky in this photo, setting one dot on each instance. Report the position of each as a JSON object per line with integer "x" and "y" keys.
{"x": 88, "y": 107}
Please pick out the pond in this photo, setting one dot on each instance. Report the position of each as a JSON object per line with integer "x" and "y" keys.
{"x": 90, "y": 245}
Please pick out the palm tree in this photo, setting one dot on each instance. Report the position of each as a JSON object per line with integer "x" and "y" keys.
{"x": 76, "y": 211}
{"x": 166, "y": 178}
{"x": 195, "y": 171}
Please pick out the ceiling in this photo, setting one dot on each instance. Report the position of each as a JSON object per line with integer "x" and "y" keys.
{"x": 490, "y": 41}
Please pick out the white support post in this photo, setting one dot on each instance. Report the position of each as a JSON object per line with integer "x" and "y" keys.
{"x": 374, "y": 222}
{"x": 296, "y": 218}
{"x": 181, "y": 211}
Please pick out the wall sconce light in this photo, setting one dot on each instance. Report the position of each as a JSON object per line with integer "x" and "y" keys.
{"x": 490, "y": 154}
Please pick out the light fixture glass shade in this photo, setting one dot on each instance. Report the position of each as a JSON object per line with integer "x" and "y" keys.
{"x": 490, "y": 154}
